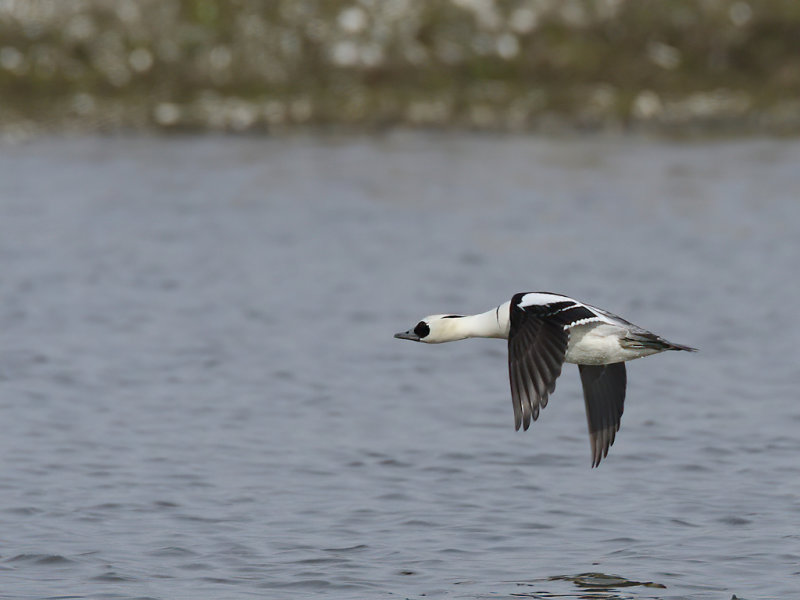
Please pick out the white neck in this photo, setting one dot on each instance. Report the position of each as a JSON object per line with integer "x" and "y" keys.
{"x": 491, "y": 324}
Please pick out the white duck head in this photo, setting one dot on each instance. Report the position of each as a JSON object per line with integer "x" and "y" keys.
{"x": 436, "y": 329}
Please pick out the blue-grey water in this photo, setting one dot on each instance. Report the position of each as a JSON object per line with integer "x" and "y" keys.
{"x": 200, "y": 395}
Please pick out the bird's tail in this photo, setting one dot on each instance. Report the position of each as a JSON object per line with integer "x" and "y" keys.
{"x": 651, "y": 340}
{"x": 671, "y": 346}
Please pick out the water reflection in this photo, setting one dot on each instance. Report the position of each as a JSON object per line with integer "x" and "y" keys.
{"x": 597, "y": 586}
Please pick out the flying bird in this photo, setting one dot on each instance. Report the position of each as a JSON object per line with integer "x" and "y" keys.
{"x": 544, "y": 331}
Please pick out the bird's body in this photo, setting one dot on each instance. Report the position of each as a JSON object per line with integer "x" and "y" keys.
{"x": 545, "y": 330}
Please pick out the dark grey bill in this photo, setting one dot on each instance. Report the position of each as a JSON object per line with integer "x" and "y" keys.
{"x": 407, "y": 335}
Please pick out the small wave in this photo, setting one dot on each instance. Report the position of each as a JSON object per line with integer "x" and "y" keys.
{"x": 40, "y": 559}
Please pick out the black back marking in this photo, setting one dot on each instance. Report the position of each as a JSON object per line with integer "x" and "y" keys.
{"x": 564, "y": 312}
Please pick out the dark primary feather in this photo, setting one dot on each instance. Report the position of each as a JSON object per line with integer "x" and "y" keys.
{"x": 537, "y": 344}
{"x": 604, "y": 394}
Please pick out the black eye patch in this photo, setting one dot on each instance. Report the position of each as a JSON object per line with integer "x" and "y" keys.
{"x": 422, "y": 329}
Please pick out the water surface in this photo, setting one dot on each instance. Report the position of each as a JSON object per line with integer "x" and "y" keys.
{"x": 201, "y": 396}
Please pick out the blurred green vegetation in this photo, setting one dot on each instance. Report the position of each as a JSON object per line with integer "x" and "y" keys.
{"x": 676, "y": 65}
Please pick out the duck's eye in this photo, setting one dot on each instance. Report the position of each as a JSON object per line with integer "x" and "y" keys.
{"x": 422, "y": 329}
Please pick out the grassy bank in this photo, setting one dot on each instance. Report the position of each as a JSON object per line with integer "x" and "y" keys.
{"x": 672, "y": 65}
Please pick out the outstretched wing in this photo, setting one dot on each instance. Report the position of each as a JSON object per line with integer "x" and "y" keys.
{"x": 537, "y": 345}
{"x": 604, "y": 393}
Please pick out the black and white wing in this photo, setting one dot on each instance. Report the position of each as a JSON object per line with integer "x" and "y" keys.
{"x": 604, "y": 394}
{"x": 537, "y": 345}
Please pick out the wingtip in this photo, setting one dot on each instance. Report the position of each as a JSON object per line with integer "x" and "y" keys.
{"x": 597, "y": 453}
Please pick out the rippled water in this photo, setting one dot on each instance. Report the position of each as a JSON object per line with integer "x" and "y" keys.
{"x": 201, "y": 396}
